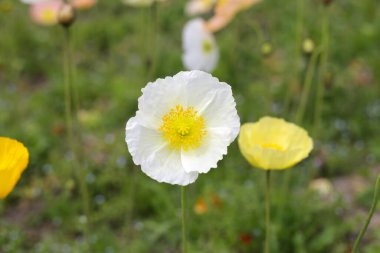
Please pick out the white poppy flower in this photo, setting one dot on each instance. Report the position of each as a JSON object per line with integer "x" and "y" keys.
{"x": 195, "y": 7}
{"x": 199, "y": 46}
{"x": 183, "y": 126}
{"x": 141, "y": 3}
{"x": 33, "y": 1}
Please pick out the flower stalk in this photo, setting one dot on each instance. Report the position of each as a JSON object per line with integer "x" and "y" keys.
{"x": 322, "y": 70}
{"x": 371, "y": 212}
{"x": 307, "y": 87}
{"x": 267, "y": 211}
{"x": 183, "y": 211}
{"x": 72, "y": 129}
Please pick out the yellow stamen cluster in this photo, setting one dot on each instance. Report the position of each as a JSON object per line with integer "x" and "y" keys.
{"x": 49, "y": 16}
{"x": 272, "y": 146}
{"x": 183, "y": 128}
{"x": 206, "y": 46}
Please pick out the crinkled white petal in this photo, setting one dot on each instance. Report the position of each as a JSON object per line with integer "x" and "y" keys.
{"x": 193, "y": 38}
{"x": 214, "y": 102}
{"x": 142, "y": 142}
{"x": 208, "y": 154}
{"x": 159, "y": 97}
{"x": 149, "y": 150}
{"x": 167, "y": 167}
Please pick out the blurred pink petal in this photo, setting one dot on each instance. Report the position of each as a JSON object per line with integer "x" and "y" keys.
{"x": 83, "y": 4}
{"x": 46, "y": 13}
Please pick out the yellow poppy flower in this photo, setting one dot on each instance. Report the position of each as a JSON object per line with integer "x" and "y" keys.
{"x": 274, "y": 144}
{"x": 14, "y": 158}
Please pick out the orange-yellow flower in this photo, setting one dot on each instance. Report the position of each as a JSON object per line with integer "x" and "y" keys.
{"x": 14, "y": 158}
{"x": 200, "y": 206}
{"x": 274, "y": 144}
{"x": 225, "y": 11}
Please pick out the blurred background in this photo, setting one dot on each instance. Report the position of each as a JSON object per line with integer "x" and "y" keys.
{"x": 266, "y": 55}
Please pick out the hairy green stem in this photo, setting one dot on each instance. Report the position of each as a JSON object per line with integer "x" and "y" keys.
{"x": 72, "y": 126}
{"x": 307, "y": 87}
{"x": 267, "y": 212}
{"x": 371, "y": 212}
{"x": 297, "y": 56}
{"x": 183, "y": 211}
{"x": 322, "y": 71}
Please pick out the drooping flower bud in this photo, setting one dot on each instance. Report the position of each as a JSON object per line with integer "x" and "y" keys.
{"x": 66, "y": 15}
{"x": 266, "y": 48}
{"x": 308, "y": 46}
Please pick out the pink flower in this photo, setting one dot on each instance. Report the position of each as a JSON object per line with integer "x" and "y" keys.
{"x": 46, "y": 13}
{"x": 83, "y": 4}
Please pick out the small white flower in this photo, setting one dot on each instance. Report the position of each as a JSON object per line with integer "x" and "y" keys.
{"x": 33, "y": 1}
{"x": 195, "y": 7}
{"x": 141, "y": 3}
{"x": 199, "y": 46}
{"x": 183, "y": 126}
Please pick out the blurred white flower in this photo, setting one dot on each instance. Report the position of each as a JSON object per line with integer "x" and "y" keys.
{"x": 141, "y": 3}
{"x": 33, "y": 1}
{"x": 200, "y": 51}
{"x": 322, "y": 186}
{"x": 195, "y": 7}
{"x": 183, "y": 126}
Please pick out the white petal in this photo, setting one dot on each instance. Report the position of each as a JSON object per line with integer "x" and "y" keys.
{"x": 214, "y": 102}
{"x": 158, "y": 98}
{"x": 166, "y": 166}
{"x": 157, "y": 161}
{"x": 206, "y": 156}
{"x": 142, "y": 142}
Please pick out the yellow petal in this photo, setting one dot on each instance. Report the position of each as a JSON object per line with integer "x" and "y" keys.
{"x": 273, "y": 143}
{"x": 14, "y": 158}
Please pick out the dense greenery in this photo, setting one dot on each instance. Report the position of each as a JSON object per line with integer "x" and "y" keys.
{"x": 118, "y": 49}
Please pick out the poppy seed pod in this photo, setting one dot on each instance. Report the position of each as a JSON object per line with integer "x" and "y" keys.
{"x": 66, "y": 15}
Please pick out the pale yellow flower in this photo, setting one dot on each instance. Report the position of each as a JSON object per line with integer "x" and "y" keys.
{"x": 14, "y": 158}
{"x": 274, "y": 144}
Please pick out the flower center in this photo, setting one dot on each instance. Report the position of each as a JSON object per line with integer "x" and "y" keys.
{"x": 183, "y": 128}
{"x": 48, "y": 15}
{"x": 272, "y": 146}
{"x": 206, "y": 46}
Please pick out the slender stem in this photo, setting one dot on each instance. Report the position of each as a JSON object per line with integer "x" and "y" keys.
{"x": 307, "y": 87}
{"x": 371, "y": 212}
{"x": 322, "y": 71}
{"x": 297, "y": 55}
{"x": 267, "y": 212}
{"x": 71, "y": 125}
{"x": 67, "y": 80}
{"x": 184, "y": 229}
